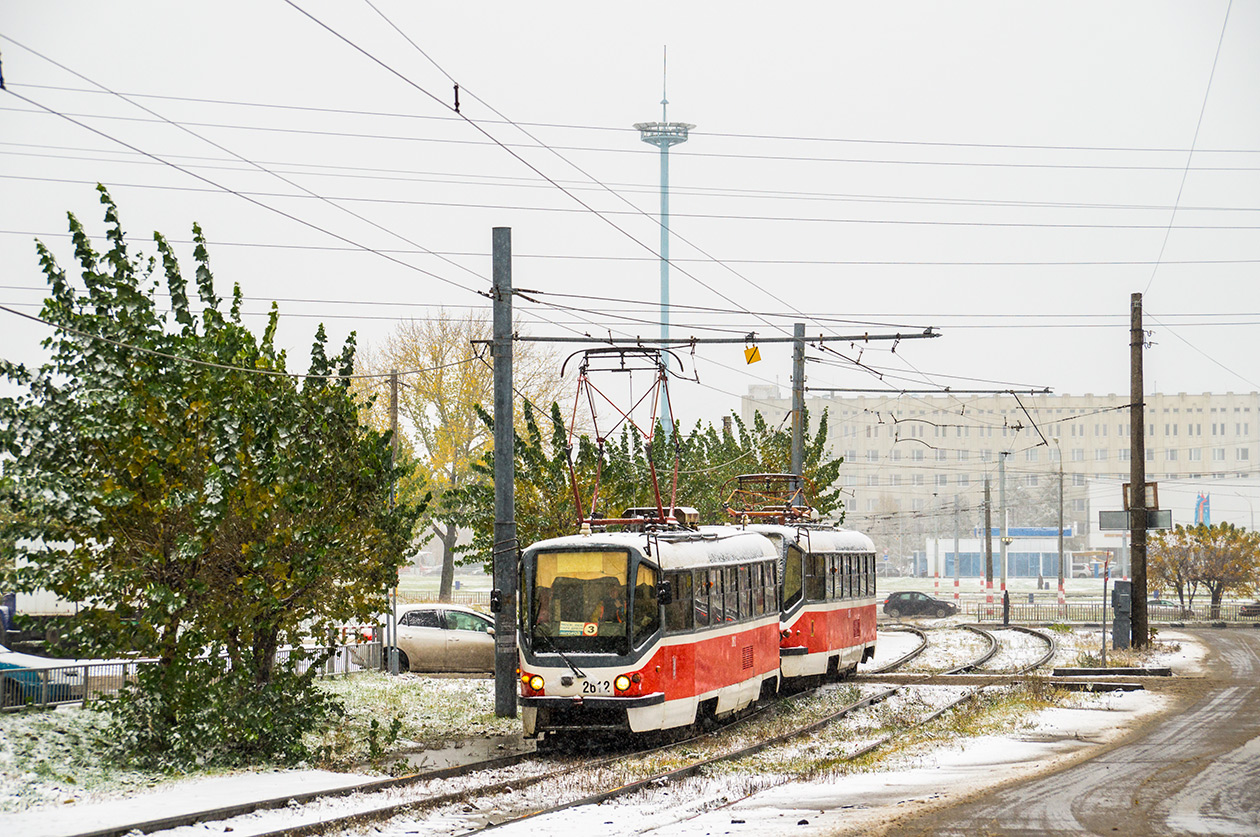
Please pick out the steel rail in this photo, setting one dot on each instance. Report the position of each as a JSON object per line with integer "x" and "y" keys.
{"x": 898, "y": 663}
{"x": 983, "y": 658}
{"x": 698, "y": 766}
{"x": 1047, "y": 657}
{"x": 694, "y": 768}
{"x": 379, "y": 812}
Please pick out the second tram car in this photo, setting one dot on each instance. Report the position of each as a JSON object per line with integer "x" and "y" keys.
{"x": 827, "y": 600}
{"x": 648, "y": 631}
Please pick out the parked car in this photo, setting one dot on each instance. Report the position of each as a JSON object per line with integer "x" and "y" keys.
{"x": 444, "y": 637}
{"x": 26, "y": 679}
{"x": 1166, "y": 609}
{"x": 913, "y": 603}
{"x": 1252, "y": 609}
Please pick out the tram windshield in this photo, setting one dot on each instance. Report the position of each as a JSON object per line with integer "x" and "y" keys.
{"x": 578, "y": 601}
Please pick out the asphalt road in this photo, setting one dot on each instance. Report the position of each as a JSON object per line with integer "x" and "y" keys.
{"x": 1194, "y": 771}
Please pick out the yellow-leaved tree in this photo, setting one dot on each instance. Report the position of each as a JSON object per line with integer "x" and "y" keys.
{"x": 444, "y": 374}
{"x": 1221, "y": 558}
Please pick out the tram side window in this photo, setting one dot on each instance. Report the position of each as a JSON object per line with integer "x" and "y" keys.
{"x": 759, "y": 588}
{"x": 772, "y": 595}
{"x": 849, "y": 589}
{"x": 870, "y": 575}
{"x": 835, "y": 583}
{"x": 815, "y": 577}
{"x": 702, "y": 598}
{"x": 731, "y": 612}
{"x": 679, "y": 612}
{"x": 646, "y": 613}
{"x": 792, "y": 581}
{"x": 745, "y": 593}
{"x": 717, "y": 603}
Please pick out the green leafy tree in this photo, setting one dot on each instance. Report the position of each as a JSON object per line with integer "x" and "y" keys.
{"x": 210, "y": 508}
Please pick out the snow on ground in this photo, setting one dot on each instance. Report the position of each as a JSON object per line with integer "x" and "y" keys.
{"x": 732, "y": 802}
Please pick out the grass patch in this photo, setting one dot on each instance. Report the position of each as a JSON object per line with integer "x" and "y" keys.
{"x": 57, "y": 756}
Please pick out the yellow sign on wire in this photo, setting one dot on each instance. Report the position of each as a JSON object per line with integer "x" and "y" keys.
{"x": 752, "y": 354}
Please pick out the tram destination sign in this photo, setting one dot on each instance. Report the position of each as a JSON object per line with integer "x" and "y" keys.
{"x": 1155, "y": 519}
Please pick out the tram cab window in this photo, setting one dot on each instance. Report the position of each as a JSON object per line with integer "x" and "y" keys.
{"x": 646, "y": 614}
{"x": 578, "y": 601}
{"x": 792, "y": 576}
{"x": 679, "y": 613}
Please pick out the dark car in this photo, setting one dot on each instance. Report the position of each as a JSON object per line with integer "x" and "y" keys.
{"x": 912, "y": 603}
{"x": 1252, "y": 609}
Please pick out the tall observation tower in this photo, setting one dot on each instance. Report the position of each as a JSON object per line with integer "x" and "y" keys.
{"x": 664, "y": 135}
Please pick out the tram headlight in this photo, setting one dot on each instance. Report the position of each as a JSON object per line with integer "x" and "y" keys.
{"x": 622, "y": 683}
{"x": 536, "y": 682}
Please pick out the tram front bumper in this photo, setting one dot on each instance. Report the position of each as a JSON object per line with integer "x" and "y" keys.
{"x": 578, "y": 712}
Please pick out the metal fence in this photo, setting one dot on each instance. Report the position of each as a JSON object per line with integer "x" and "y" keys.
{"x": 468, "y": 598}
{"x": 1072, "y": 612}
{"x": 84, "y": 682}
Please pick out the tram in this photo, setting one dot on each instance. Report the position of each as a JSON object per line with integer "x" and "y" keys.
{"x": 651, "y": 631}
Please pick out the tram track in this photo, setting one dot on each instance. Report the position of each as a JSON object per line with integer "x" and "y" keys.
{"x": 622, "y": 774}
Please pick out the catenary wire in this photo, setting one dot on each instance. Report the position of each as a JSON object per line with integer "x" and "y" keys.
{"x": 621, "y": 129}
{"x": 1172, "y": 217}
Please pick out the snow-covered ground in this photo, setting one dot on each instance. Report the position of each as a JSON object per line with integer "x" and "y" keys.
{"x": 765, "y": 800}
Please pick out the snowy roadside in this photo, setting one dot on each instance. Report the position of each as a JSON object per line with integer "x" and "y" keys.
{"x": 438, "y": 708}
{"x": 934, "y": 774}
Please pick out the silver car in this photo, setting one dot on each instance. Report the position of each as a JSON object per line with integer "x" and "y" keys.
{"x": 444, "y": 637}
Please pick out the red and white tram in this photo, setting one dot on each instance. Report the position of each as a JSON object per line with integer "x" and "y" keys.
{"x": 642, "y": 632}
{"x": 698, "y": 635}
{"x": 828, "y": 600}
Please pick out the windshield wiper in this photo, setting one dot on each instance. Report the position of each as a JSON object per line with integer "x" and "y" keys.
{"x": 540, "y": 630}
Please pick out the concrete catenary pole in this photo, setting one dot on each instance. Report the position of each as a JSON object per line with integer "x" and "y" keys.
{"x": 798, "y": 406}
{"x": 1002, "y": 514}
{"x": 1137, "y": 473}
{"x": 391, "y": 596}
{"x": 957, "y": 557}
{"x": 988, "y": 543}
{"x": 505, "y": 552}
{"x": 1062, "y": 594}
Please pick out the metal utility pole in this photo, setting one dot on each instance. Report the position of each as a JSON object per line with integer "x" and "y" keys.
{"x": 957, "y": 558}
{"x": 798, "y": 404}
{"x": 1062, "y": 595}
{"x": 1137, "y": 472}
{"x": 664, "y": 135}
{"x": 988, "y": 543}
{"x": 505, "y": 553}
{"x": 391, "y": 597}
{"x": 1002, "y": 512}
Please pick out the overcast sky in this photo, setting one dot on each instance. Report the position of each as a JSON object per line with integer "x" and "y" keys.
{"x": 1006, "y": 172}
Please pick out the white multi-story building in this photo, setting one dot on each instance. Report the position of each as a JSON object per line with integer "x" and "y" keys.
{"x": 912, "y": 460}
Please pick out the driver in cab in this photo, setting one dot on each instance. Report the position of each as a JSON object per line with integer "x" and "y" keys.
{"x": 612, "y": 604}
